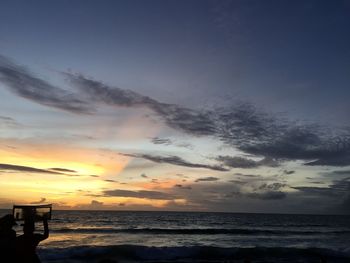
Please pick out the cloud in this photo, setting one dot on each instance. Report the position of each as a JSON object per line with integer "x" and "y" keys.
{"x": 207, "y": 179}
{"x": 8, "y": 122}
{"x": 28, "y": 169}
{"x": 93, "y": 205}
{"x": 288, "y": 172}
{"x": 241, "y": 162}
{"x": 183, "y": 187}
{"x": 271, "y": 187}
{"x": 167, "y": 142}
{"x": 338, "y": 188}
{"x": 175, "y": 160}
{"x": 24, "y": 84}
{"x": 144, "y": 176}
{"x": 269, "y": 195}
{"x": 341, "y": 172}
{"x": 63, "y": 170}
{"x": 138, "y": 194}
{"x": 302, "y": 143}
{"x": 240, "y": 125}
{"x": 157, "y": 140}
{"x": 266, "y": 195}
{"x": 20, "y": 168}
{"x": 42, "y": 200}
{"x": 180, "y": 118}
{"x": 111, "y": 181}
{"x": 338, "y": 193}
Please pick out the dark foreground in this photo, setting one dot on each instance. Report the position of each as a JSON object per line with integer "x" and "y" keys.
{"x": 132, "y": 253}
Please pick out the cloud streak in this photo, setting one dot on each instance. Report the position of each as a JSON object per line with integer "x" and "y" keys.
{"x": 207, "y": 179}
{"x": 241, "y": 125}
{"x": 175, "y": 160}
{"x": 29, "y": 169}
{"x": 20, "y": 168}
{"x": 144, "y": 194}
{"x": 23, "y": 83}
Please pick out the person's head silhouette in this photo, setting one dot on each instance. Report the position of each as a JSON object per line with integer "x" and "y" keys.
{"x": 28, "y": 227}
{"x": 7, "y": 222}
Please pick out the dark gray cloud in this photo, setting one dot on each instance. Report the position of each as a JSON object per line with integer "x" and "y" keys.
{"x": 271, "y": 186}
{"x": 28, "y": 169}
{"x": 302, "y": 143}
{"x": 175, "y": 160}
{"x": 241, "y": 126}
{"x": 144, "y": 176}
{"x": 139, "y": 194}
{"x": 339, "y": 190}
{"x": 183, "y": 186}
{"x": 23, "y": 83}
{"x": 237, "y": 162}
{"x": 20, "y": 168}
{"x": 207, "y": 179}
{"x": 165, "y": 141}
{"x": 269, "y": 195}
{"x": 311, "y": 190}
{"x": 9, "y": 122}
{"x": 4, "y": 118}
{"x": 114, "y": 96}
{"x": 340, "y": 172}
{"x": 241, "y": 162}
{"x": 266, "y": 195}
{"x": 63, "y": 170}
{"x": 111, "y": 181}
{"x": 42, "y": 200}
{"x": 288, "y": 172}
{"x": 181, "y": 118}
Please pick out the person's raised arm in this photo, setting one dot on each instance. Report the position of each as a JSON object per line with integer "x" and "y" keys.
{"x": 46, "y": 229}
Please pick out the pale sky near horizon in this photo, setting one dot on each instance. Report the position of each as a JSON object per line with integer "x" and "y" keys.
{"x": 236, "y": 106}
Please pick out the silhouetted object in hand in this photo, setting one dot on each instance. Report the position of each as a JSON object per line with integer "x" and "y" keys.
{"x": 26, "y": 244}
{"x": 7, "y": 238}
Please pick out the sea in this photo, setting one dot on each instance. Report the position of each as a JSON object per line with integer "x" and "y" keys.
{"x": 123, "y": 236}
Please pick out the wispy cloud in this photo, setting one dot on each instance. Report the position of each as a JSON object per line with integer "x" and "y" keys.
{"x": 183, "y": 186}
{"x": 165, "y": 141}
{"x": 8, "y": 122}
{"x": 175, "y": 160}
{"x": 241, "y": 162}
{"x": 20, "y": 168}
{"x": 29, "y": 169}
{"x": 241, "y": 125}
{"x": 207, "y": 179}
{"x": 63, "y": 170}
{"x": 139, "y": 194}
{"x": 42, "y": 200}
{"x": 339, "y": 190}
{"x": 23, "y": 83}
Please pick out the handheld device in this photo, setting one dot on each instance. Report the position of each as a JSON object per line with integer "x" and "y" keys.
{"x": 32, "y": 212}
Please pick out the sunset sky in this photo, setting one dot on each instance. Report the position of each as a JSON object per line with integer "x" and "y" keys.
{"x": 236, "y": 106}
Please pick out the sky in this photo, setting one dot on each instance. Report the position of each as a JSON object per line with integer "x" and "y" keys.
{"x": 196, "y": 105}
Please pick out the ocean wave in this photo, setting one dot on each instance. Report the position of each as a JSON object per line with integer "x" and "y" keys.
{"x": 199, "y": 231}
{"x": 144, "y": 253}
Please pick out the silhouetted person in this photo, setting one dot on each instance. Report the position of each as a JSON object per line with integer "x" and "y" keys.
{"x": 26, "y": 244}
{"x": 7, "y": 238}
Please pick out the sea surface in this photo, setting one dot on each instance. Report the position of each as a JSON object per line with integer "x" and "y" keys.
{"x": 91, "y": 236}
